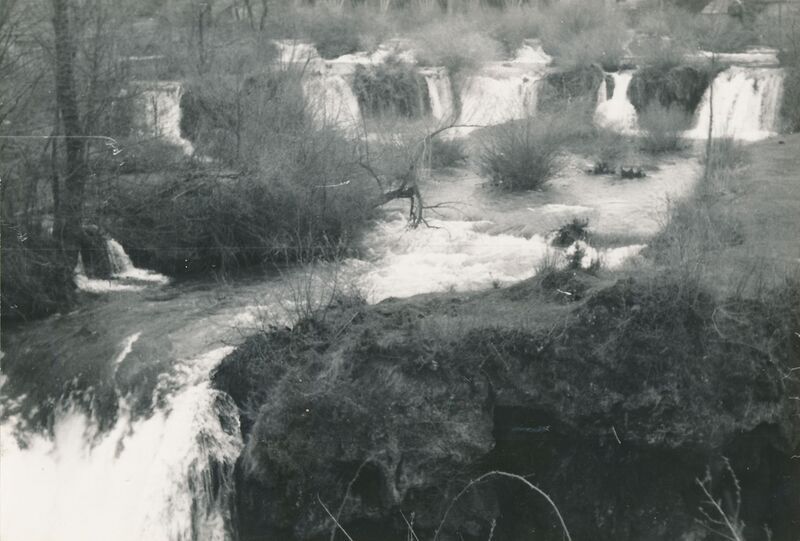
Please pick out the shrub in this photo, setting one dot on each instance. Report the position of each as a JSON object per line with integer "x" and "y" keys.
{"x": 335, "y": 35}
{"x": 303, "y": 194}
{"x": 725, "y": 153}
{"x": 456, "y": 45}
{"x": 569, "y": 233}
{"x": 663, "y": 128}
{"x": 522, "y": 155}
{"x": 580, "y": 34}
{"x": 446, "y": 152}
{"x": 513, "y": 25}
{"x": 36, "y": 282}
{"x": 609, "y": 150}
{"x": 790, "y": 104}
{"x": 391, "y": 87}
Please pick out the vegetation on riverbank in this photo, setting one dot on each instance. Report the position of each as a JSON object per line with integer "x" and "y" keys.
{"x": 645, "y": 375}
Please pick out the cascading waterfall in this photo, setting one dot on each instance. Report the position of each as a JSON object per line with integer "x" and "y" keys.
{"x": 162, "y": 112}
{"x": 162, "y": 478}
{"x": 488, "y": 99}
{"x": 746, "y": 103}
{"x": 440, "y": 93}
{"x": 616, "y": 113}
{"x": 123, "y": 267}
{"x": 123, "y": 271}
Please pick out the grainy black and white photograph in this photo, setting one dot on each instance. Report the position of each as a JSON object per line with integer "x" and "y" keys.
{"x": 400, "y": 270}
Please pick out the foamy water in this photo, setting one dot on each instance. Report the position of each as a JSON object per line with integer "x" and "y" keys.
{"x": 616, "y": 113}
{"x": 144, "y": 479}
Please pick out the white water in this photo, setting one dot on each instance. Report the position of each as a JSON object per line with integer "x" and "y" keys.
{"x": 123, "y": 271}
{"x": 617, "y": 113}
{"x": 147, "y": 479}
{"x": 123, "y": 267}
{"x": 746, "y": 104}
{"x": 162, "y": 112}
{"x": 493, "y": 98}
{"x": 440, "y": 93}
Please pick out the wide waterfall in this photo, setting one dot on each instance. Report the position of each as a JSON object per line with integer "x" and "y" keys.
{"x": 488, "y": 99}
{"x": 616, "y": 113}
{"x": 161, "y": 102}
{"x": 746, "y": 104}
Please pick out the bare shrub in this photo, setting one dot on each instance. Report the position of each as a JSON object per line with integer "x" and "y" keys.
{"x": 662, "y": 128}
{"x": 522, "y": 155}
{"x": 456, "y": 44}
{"x": 580, "y": 34}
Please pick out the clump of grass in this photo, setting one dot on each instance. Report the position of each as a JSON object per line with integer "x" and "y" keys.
{"x": 724, "y": 154}
{"x": 609, "y": 150}
{"x": 522, "y": 155}
{"x": 663, "y": 128}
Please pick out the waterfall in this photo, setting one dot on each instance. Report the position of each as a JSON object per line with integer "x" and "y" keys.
{"x": 123, "y": 267}
{"x": 122, "y": 271}
{"x": 487, "y": 100}
{"x": 746, "y": 104}
{"x": 163, "y": 478}
{"x": 162, "y": 112}
{"x": 440, "y": 92}
{"x": 617, "y": 113}
{"x": 332, "y": 101}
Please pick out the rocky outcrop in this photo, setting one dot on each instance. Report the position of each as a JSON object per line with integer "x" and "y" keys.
{"x": 384, "y": 413}
{"x": 681, "y": 86}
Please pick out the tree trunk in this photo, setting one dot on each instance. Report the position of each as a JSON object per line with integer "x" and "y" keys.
{"x": 67, "y": 227}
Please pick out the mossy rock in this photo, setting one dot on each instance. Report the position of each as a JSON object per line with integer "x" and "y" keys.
{"x": 683, "y": 86}
{"x": 565, "y": 86}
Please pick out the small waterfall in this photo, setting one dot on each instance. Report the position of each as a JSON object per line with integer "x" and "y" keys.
{"x": 163, "y": 478}
{"x": 122, "y": 270}
{"x": 162, "y": 112}
{"x": 488, "y": 100}
{"x": 332, "y": 101}
{"x": 617, "y": 113}
{"x": 746, "y": 104}
{"x": 440, "y": 92}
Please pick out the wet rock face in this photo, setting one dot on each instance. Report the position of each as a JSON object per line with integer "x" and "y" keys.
{"x": 681, "y": 86}
{"x": 95, "y": 253}
{"x": 381, "y": 413}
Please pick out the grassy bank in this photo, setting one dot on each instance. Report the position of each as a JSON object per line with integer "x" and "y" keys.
{"x": 637, "y": 379}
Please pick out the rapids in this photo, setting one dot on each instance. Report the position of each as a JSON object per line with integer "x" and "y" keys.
{"x": 161, "y": 470}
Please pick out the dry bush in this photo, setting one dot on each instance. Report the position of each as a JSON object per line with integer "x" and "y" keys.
{"x": 662, "y": 128}
{"x": 514, "y": 24}
{"x": 578, "y": 34}
{"x": 522, "y": 155}
{"x": 456, "y": 44}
